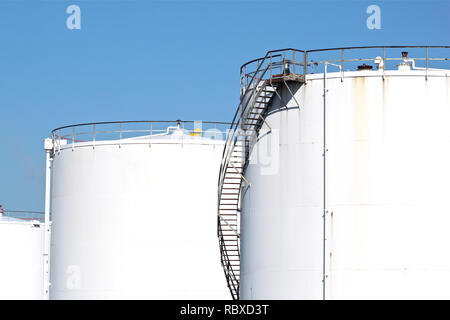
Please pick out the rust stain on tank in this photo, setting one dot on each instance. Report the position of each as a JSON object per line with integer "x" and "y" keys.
{"x": 362, "y": 158}
{"x": 360, "y": 135}
{"x": 361, "y": 108}
{"x": 330, "y": 258}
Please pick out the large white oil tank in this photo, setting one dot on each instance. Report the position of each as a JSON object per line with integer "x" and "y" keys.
{"x": 22, "y": 264}
{"x": 135, "y": 217}
{"x": 353, "y": 203}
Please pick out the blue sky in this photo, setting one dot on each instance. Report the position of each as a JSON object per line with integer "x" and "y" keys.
{"x": 160, "y": 60}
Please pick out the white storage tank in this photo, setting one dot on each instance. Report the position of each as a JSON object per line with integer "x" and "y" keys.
{"x": 383, "y": 187}
{"x": 134, "y": 217}
{"x": 21, "y": 266}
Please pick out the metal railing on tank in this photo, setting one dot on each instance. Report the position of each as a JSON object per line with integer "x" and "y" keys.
{"x": 381, "y": 58}
{"x": 24, "y": 215}
{"x": 274, "y": 65}
{"x": 123, "y": 132}
{"x": 303, "y": 62}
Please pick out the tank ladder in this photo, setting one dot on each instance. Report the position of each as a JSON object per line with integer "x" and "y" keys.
{"x": 233, "y": 180}
{"x": 247, "y": 122}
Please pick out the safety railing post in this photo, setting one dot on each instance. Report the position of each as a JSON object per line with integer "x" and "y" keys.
{"x": 293, "y": 59}
{"x": 47, "y": 221}
{"x": 257, "y": 74}
{"x": 426, "y": 68}
{"x": 93, "y": 136}
{"x": 53, "y": 142}
{"x": 245, "y": 78}
{"x": 241, "y": 84}
{"x": 270, "y": 68}
{"x": 59, "y": 141}
{"x": 305, "y": 65}
{"x": 120, "y": 136}
{"x": 73, "y": 138}
{"x": 150, "y": 136}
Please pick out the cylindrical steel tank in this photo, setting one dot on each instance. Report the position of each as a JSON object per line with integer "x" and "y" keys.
{"x": 21, "y": 266}
{"x": 134, "y": 218}
{"x": 384, "y": 189}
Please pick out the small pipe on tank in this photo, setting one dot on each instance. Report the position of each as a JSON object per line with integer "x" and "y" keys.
{"x": 413, "y": 63}
{"x": 324, "y": 175}
{"x": 48, "y": 146}
{"x": 325, "y": 150}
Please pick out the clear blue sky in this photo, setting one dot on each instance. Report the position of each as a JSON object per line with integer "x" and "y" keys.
{"x": 160, "y": 60}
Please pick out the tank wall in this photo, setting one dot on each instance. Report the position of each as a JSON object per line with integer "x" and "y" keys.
{"x": 21, "y": 267}
{"x": 279, "y": 247}
{"x": 136, "y": 222}
{"x": 387, "y": 182}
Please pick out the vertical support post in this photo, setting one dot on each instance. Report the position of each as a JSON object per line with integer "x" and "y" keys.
{"x": 241, "y": 86}
{"x": 270, "y": 67}
{"x": 426, "y": 68}
{"x": 48, "y": 146}
{"x": 293, "y": 53}
{"x": 93, "y": 136}
{"x": 120, "y": 136}
{"x": 73, "y": 138}
{"x": 324, "y": 176}
{"x": 305, "y": 65}
{"x": 59, "y": 141}
{"x": 342, "y": 66}
{"x": 245, "y": 78}
{"x": 256, "y": 75}
{"x": 53, "y": 142}
{"x": 384, "y": 60}
{"x": 151, "y": 133}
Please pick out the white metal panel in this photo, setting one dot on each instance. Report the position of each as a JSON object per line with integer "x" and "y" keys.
{"x": 21, "y": 267}
{"x": 387, "y": 188}
{"x": 137, "y": 221}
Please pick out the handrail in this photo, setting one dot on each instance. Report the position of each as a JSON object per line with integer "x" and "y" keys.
{"x": 239, "y": 107}
{"x": 95, "y": 131}
{"x": 269, "y": 53}
{"x": 375, "y": 47}
{"x": 228, "y": 259}
{"x": 305, "y": 53}
{"x": 342, "y": 48}
{"x": 134, "y": 121}
{"x": 24, "y": 215}
{"x": 247, "y": 69}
